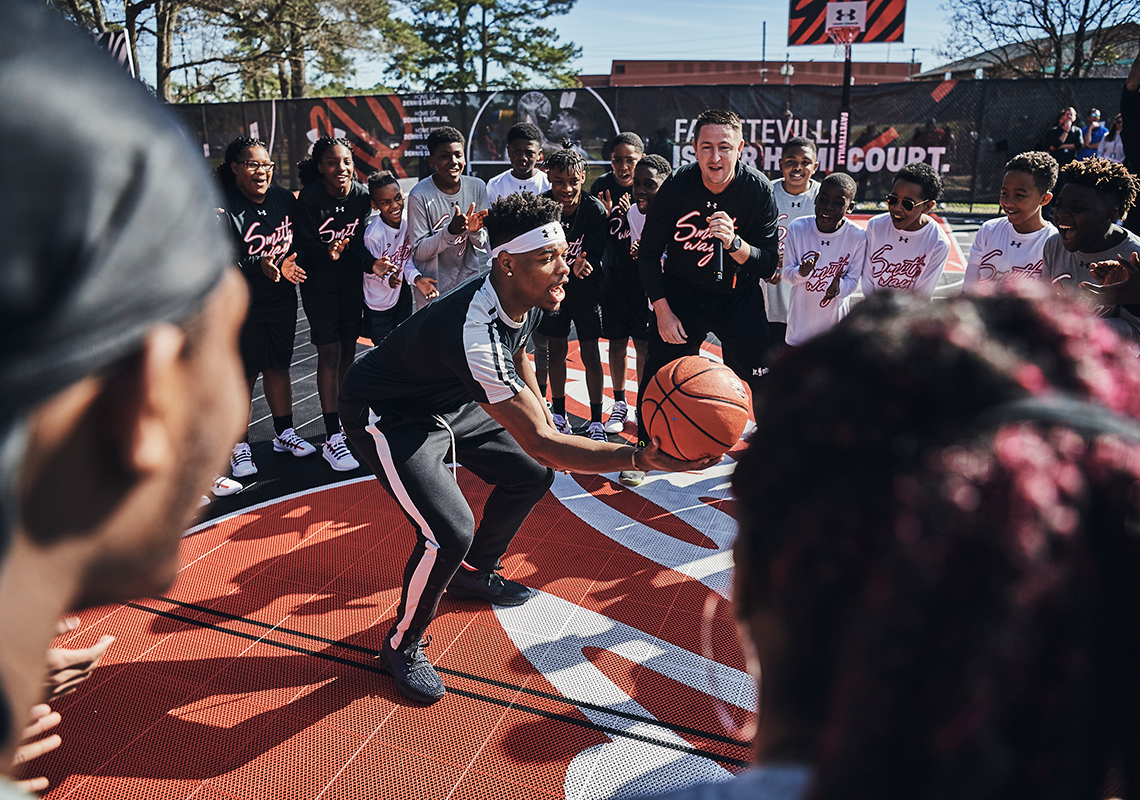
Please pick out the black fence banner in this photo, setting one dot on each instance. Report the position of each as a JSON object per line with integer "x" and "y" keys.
{"x": 967, "y": 130}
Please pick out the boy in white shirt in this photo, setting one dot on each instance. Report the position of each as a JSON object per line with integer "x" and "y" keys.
{"x": 795, "y": 198}
{"x": 906, "y": 249}
{"x": 823, "y": 261}
{"x": 1010, "y": 248}
{"x": 524, "y": 150}
{"x": 387, "y": 298}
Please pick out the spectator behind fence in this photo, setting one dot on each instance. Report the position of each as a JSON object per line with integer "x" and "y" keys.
{"x": 121, "y": 385}
{"x": 936, "y": 569}
{"x": 1112, "y": 146}
{"x": 1063, "y": 141}
{"x": 1091, "y": 134}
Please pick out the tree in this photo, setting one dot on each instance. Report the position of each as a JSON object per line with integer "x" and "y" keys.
{"x": 225, "y": 50}
{"x": 464, "y": 39}
{"x": 1043, "y": 38}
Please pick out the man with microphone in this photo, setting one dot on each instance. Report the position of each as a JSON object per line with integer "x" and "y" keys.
{"x": 715, "y": 223}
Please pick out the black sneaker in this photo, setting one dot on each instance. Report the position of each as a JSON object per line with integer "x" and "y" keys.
{"x": 488, "y": 585}
{"x": 416, "y": 679}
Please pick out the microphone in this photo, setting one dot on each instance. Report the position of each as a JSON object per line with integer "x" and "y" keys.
{"x": 718, "y": 260}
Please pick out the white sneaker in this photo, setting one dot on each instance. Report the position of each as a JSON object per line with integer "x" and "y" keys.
{"x": 223, "y": 487}
{"x": 336, "y": 452}
{"x": 596, "y": 432}
{"x": 562, "y": 425}
{"x": 632, "y": 477}
{"x": 618, "y": 416}
{"x": 631, "y": 415}
{"x": 241, "y": 462}
{"x": 289, "y": 442}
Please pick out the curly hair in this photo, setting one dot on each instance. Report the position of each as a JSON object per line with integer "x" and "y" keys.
{"x": 843, "y": 181}
{"x": 803, "y": 143}
{"x": 629, "y": 138}
{"x": 1039, "y": 165}
{"x": 444, "y": 135}
{"x": 234, "y": 151}
{"x": 958, "y": 599}
{"x": 566, "y": 160}
{"x": 518, "y": 213}
{"x": 307, "y": 169}
{"x": 1106, "y": 177}
{"x": 923, "y": 175}
{"x": 656, "y": 163}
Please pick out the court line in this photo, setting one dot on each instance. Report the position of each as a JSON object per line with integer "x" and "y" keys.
{"x": 464, "y": 693}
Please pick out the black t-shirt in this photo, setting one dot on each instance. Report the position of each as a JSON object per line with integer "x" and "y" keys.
{"x": 587, "y": 230}
{"x": 321, "y": 219}
{"x": 676, "y": 226}
{"x": 1058, "y": 137}
{"x": 609, "y": 183}
{"x": 263, "y": 229}
{"x": 457, "y": 349}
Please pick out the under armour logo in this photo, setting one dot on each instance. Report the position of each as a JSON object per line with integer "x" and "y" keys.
{"x": 904, "y": 239}
{"x": 710, "y": 204}
{"x": 340, "y": 209}
{"x": 1015, "y": 244}
{"x": 545, "y": 233}
{"x": 798, "y": 205}
{"x": 822, "y": 242}
{"x": 261, "y": 212}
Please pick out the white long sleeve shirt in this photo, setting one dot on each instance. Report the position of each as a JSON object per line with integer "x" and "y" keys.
{"x": 1001, "y": 255}
{"x": 842, "y": 252}
{"x": 910, "y": 261}
{"x": 383, "y": 240}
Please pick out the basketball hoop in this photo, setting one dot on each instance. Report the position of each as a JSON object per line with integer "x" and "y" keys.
{"x": 843, "y": 36}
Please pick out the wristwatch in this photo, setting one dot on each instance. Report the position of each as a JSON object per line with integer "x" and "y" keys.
{"x": 737, "y": 243}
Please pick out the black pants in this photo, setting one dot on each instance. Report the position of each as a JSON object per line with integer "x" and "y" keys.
{"x": 408, "y": 454}
{"x": 738, "y": 320}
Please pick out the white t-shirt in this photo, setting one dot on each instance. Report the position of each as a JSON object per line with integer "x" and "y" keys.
{"x": 1002, "y": 255}
{"x": 791, "y": 207}
{"x": 1114, "y": 150}
{"x": 904, "y": 260}
{"x": 505, "y": 184}
{"x": 383, "y": 240}
{"x": 844, "y": 252}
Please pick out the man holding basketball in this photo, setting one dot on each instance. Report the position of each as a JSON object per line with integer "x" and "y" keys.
{"x": 717, "y": 204}
{"x": 454, "y": 383}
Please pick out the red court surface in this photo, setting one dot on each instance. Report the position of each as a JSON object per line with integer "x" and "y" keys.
{"x": 254, "y": 676}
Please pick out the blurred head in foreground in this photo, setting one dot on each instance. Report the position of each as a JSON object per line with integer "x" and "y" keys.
{"x": 939, "y": 555}
{"x": 120, "y": 382}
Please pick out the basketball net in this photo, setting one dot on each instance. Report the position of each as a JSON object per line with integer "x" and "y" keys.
{"x": 843, "y": 36}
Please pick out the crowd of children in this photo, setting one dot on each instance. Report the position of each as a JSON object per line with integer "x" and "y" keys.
{"x": 364, "y": 263}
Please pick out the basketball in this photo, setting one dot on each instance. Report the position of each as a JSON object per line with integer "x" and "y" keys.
{"x": 695, "y": 407}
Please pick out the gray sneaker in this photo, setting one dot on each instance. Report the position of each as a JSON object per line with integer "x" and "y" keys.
{"x": 415, "y": 677}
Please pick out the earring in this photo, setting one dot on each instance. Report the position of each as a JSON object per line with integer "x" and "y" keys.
{"x": 509, "y": 273}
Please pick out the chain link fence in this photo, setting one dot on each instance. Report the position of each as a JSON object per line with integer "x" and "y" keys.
{"x": 965, "y": 129}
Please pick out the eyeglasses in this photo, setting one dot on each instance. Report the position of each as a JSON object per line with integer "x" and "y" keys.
{"x": 907, "y": 204}
{"x": 257, "y": 166}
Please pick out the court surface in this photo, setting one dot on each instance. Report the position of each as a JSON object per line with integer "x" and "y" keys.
{"x": 255, "y": 677}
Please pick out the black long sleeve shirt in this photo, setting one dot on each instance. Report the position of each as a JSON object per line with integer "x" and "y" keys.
{"x": 677, "y": 227}
{"x": 321, "y": 219}
{"x": 260, "y": 230}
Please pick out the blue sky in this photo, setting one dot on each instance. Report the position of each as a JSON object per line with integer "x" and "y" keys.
{"x": 703, "y": 29}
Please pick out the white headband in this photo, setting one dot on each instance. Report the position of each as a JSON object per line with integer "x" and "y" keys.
{"x": 548, "y": 234}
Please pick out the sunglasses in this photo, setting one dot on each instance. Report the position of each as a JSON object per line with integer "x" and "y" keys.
{"x": 907, "y": 204}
